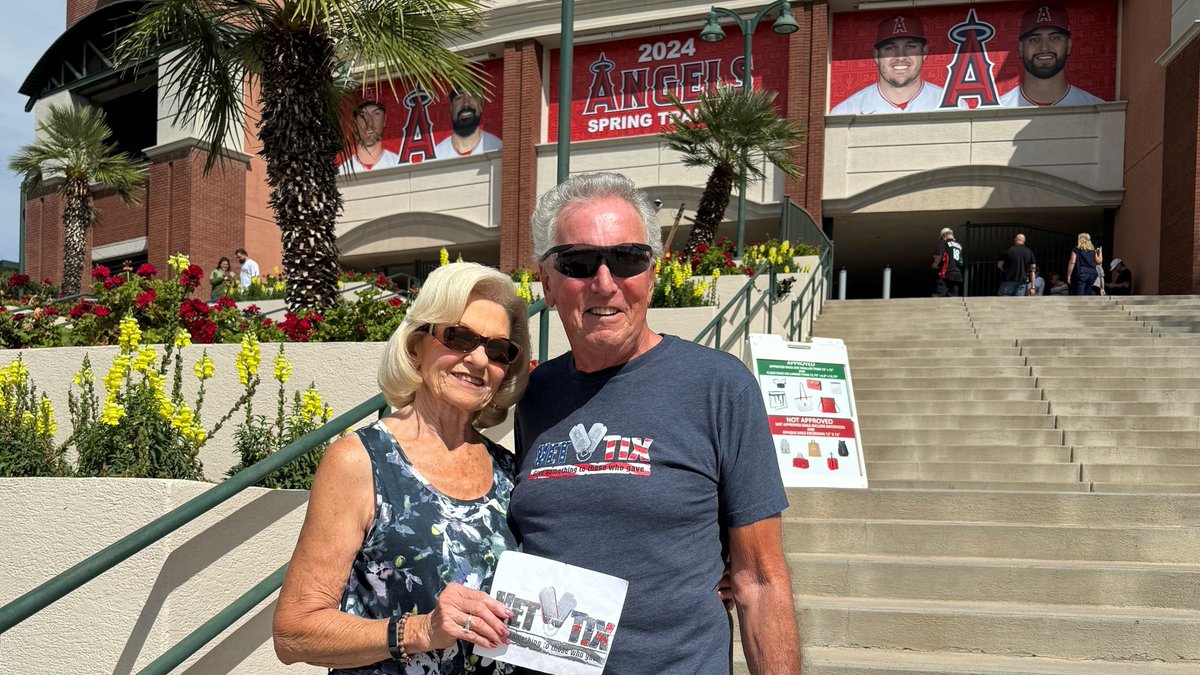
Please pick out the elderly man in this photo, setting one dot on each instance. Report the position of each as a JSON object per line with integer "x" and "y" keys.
{"x": 646, "y": 456}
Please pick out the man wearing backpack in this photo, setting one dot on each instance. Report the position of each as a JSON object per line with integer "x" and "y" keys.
{"x": 948, "y": 263}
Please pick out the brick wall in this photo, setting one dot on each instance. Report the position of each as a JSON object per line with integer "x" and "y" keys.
{"x": 189, "y": 212}
{"x": 44, "y": 237}
{"x": 1179, "y": 267}
{"x": 521, "y": 132}
{"x": 807, "y": 50}
{"x": 77, "y": 9}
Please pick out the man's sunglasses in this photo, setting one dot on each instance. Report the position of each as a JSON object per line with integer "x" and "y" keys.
{"x": 463, "y": 340}
{"x": 580, "y": 261}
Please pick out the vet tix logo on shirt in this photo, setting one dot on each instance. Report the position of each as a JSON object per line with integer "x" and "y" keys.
{"x": 592, "y": 452}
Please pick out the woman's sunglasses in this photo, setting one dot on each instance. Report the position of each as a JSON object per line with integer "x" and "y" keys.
{"x": 464, "y": 341}
{"x": 580, "y": 261}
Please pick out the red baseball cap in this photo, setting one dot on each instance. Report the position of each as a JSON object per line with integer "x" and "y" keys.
{"x": 1045, "y": 16}
{"x": 900, "y": 26}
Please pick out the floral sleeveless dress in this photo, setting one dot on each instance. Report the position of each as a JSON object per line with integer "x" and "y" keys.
{"x": 422, "y": 540}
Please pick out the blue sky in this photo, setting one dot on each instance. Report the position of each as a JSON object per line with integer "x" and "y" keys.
{"x": 24, "y": 36}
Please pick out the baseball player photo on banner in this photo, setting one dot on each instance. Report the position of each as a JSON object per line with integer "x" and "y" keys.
{"x": 565, "y": 618}
{"x": 984, "y": 55}
{"x": 398, "y": 123}
{"x": 622, "y": 88}
{"x": 809, "y": 396}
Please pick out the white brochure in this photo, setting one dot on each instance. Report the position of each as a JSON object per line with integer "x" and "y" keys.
{"x": 565, "y": 617}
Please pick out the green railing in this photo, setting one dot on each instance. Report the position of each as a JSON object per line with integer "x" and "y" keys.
{"x": 51, "y": 591}
{"x": 797, "y": 225}
{"x": 743, "y": 300}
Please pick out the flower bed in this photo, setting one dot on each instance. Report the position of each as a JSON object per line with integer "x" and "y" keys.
{"x": 162, "y": 305}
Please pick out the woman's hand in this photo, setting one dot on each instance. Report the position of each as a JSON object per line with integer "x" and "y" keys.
{"x": 466, "y": 614}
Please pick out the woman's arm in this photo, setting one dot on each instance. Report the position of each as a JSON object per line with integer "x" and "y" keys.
{"x": 1070, "y": 266}
{"x": 309, "y": 626}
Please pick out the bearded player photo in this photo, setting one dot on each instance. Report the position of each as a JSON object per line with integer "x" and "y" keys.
{"x": 1044, "y": 45}
{"x": 466, "y": 116}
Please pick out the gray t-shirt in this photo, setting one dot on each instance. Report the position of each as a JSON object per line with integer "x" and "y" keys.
{"x": 638, "y": 471}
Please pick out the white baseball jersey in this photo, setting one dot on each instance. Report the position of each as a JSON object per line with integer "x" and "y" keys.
{"x": 445, "y": 149}
{"x": 870, "y": 101}
{"x": 387, "y": 160}
{"x": 1015, "y": 98}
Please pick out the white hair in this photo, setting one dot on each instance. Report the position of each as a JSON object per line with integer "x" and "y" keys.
{"x": 442, "y": 299}
{"x": 585, "y": 188}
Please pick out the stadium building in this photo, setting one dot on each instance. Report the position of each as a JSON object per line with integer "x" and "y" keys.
{"x": 991, "y": 118}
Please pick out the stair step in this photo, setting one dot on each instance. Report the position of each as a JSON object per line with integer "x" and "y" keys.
{"x": 997, "y": 580}
{"x": 1095, "y": 354}
{"x": 878, "y": 391}
{"x": 1162, "y": 439}
{"x": 964, "y": 422}
{"x": 1049, "y": 454}
{"x": 1011, "y": 382}
{"x": 976, "y": 471}
{"x": 1154, "y": 474}
{"x": 939, "y": 362}
{"x": 1143, "y": 488}
{"x": 1132, "y": 409}
{"x": 1058, "y": 393}
{"x": 1143, "y": 543}
{"x": 860, "y": 661}
{"x": 1005, "y": 629}
{"x": 1102, "y": 370}
{"x": 950, "y": 372}
{"x": 1128, "y": 423}
{"x": 950, "y": 505}
{"x": 1100, "y": 383}
{"x": 985, "y": 485}
{"x": 1133, "y": 455}
{"x": 952, "y": 407}
{"x": 998, "y": 437}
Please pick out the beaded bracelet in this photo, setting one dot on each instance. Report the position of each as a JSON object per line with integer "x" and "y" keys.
{"x": 396, "y": 638}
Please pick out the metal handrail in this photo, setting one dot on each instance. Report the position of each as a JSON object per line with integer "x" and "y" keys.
{"x": 742, "y": 295}
{"x": 110, "y": 556}
{"x": 51, "y": 591}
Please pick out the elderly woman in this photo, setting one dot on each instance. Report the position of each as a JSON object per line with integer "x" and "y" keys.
{"x": 407, "y": 517}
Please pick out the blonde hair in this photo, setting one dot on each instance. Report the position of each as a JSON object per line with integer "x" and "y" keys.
{"x": 443, "y": 299}
{"x": 1084, "y": 243}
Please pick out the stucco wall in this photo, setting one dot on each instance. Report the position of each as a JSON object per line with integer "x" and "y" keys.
{"x": 128, "y": 616}
{"x": 1081, "y": 145}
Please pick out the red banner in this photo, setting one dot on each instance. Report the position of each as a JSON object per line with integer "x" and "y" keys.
{"x": 401, "y": 124}
{"x": 620, "y": 88}
{"x": 813, "y": 427}
{"x": 1004, "y": 54}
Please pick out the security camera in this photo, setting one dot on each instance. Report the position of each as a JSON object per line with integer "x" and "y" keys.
{"x": 657, "y": 204}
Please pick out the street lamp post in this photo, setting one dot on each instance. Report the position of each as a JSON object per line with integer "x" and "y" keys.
{"x": 785, "y": 24}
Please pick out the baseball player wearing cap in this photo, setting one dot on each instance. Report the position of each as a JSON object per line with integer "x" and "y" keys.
{"x": 948, "y": 263}
{"x": 900, "y": 50}
{"x": 1044, "y": 45}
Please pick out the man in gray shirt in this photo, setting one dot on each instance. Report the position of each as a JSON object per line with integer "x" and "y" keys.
{"x": 648, "y": 457}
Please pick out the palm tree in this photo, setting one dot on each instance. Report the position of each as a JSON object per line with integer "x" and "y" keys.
{"x": 730, "y": 131}
{"x": 300, "y": 54}
{"x": 73, "y": 148}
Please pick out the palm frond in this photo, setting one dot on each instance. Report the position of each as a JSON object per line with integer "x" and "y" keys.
{"x": 205, "y": 53}
{"x": 73, "y": 145}
{"x": 735, "y": 130}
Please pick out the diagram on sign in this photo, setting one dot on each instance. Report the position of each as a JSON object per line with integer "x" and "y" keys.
{"x": 809, "y": 399}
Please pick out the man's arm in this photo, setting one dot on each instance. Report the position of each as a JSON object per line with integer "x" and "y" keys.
{"x": 762, "y": 592}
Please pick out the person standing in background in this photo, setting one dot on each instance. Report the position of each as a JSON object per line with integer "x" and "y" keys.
{"x": 948, "y": 263}
{"x": 248, "y": 269}
{"x": 1081, "y": 268}
{"x": 1120, "y": 278}
{"x": 1014, "y": 266}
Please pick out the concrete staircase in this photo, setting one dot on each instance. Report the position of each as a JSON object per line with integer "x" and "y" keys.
{"x": 1035, "y": 491}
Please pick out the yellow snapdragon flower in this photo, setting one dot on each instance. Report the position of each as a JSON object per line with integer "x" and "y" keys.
{"x": 443, "y": 257}
{"x": 182, "y": 338}
{"x": 204, "y": 367}
{"x": 248, "y": 358}
{"x": 179, "y": 262}
{"x": 283, "y": 367}
{"x": 130, "y": 335}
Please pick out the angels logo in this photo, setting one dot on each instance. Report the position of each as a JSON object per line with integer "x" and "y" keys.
{"x": 969, "y": 79}
{"x": 1043, "y": 15}
{"x": 901, "y": 25}
{"x": 601, "y": 94}
{"x": 418, "y": 128}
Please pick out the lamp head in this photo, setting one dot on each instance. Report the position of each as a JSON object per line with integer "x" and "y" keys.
{"x": 712, "y": 31}
{"x": 785, "y": 24}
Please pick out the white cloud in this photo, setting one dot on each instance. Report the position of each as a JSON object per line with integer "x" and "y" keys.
{"x": 23, "y": 40}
